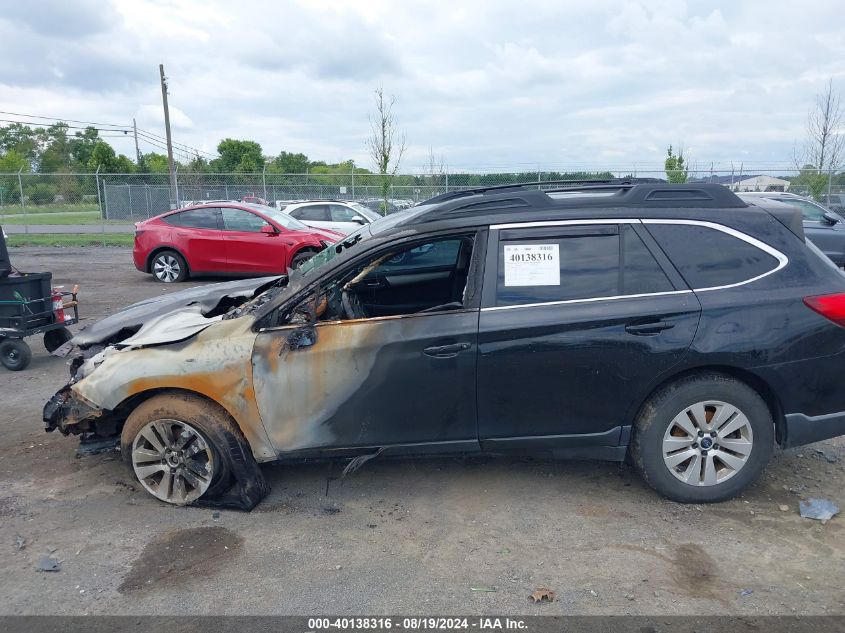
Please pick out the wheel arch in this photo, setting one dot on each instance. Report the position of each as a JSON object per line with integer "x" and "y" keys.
{"x": 302, "y": 249}
{"x": 127, "y": 406}
{"x": 159, "y": 249}
{"x": 760, "y": 386}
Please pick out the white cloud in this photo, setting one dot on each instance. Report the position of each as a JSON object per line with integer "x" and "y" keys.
{"x": 483, "y": 83}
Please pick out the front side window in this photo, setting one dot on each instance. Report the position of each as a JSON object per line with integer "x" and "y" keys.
{"x": 414, "y": 279}
{"x": 707, "y": 257}
{"x": 240, "y": 220}
{"x": 342, "y": 214}
{"x": 811, "y": 212}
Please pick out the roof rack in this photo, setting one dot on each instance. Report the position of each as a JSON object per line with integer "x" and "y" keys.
{"x": 588, "y": 183}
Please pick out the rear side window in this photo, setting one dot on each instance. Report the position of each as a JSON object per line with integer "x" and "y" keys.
{"x": 196, "y": 219}
{"x": 708, "y": 257}
{"x": 576, "y": 263}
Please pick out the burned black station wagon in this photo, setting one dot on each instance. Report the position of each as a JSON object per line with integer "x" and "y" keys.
{"x": 671, "y": 323}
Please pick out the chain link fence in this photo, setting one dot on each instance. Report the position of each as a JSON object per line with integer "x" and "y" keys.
{"x": 102, "y": 208}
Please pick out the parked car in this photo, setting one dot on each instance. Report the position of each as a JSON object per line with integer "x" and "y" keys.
{"x": 224, "y": 238}
{"x": 336, "y": 215}
{"x": 824, "y": 227}
{"x": 671, "y": 323}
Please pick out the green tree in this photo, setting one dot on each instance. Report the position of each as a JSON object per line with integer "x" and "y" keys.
{"x": 154, "y": 163}
{"x": 289, "y": 163}
{"x": 238, "y": 156}
{"x": 82, "y": 146}
{"x": 103, "y": 157}
{"x": 676, "y": 169}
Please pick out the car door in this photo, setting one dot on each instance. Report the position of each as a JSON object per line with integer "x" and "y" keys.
{"x": 248, "y": 248}
{"x": 403, "y": 382}
{"x": 198, "y": 235}
{"x": 576, "y": 321}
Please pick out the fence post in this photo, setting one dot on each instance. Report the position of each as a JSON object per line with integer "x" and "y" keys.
{"x": 353, "y": 183}
{"x": 264, "y": 180}
{"x": 829, "y": 183}
{"x": 447, "y": 182}
{"x": 176, "y": 184}
{"x": 23, "y": 206}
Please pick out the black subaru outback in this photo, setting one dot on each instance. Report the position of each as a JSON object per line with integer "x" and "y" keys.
{"x": 670, "y": 323}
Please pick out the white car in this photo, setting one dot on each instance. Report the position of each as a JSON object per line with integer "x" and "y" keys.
{"x": 336, "y": 215}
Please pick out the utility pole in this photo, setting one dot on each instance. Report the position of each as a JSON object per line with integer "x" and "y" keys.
{"x": 137, "y": 151}
{"x": 173, "y": 192}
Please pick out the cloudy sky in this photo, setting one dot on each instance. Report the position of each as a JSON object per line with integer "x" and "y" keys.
{"x": 486, "y": 84}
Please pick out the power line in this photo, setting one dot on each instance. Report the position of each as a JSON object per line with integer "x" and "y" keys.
{"x": 61, "y": 120}
{"x": 73, "y": 127}
{"x": 110, "y": 127}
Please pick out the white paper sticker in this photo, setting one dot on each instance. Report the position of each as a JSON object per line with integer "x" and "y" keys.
{"x": 532, "y": 265}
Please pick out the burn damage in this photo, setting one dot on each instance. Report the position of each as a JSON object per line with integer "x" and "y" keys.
{"x": 125, "y": 358}
{"x": 298, "y": 363}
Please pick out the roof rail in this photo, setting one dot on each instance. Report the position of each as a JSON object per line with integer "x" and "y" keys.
{"x": 587, "y": 183}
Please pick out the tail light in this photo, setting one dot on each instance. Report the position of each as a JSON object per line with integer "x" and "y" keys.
{"x": 831, "y": 307}
{"x": 58, "y": 305}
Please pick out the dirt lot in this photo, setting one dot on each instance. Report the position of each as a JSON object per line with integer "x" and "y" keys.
{"x": 444, "y": 536}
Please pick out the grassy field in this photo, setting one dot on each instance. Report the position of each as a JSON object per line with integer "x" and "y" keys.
{"x": 59, "y": 239}
{"x": 70, "y": 217}
{"x": 13, "y": 209}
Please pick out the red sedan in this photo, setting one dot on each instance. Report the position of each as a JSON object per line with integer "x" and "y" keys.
{"x": 225, "y": 238}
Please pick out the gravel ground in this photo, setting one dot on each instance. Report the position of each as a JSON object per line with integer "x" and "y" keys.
{"x": 445, "y": 536}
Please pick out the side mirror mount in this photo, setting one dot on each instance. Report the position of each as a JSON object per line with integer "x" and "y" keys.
{"x": 269, "y": 229}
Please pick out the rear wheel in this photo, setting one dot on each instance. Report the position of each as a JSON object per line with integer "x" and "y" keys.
{"x": 169, "y": 267}
{"x": 703, "y": 439}
{"x": 167, "y": 442}
{"x": 15, "y": 354}
{"x": 54, "y": 339}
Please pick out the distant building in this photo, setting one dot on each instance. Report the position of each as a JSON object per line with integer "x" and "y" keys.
{"x": 748, "y": 182}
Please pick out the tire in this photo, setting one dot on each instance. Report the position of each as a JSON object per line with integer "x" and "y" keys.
{"x": 169, "y": 267}
{"x": 54, "y": 339}
{"x": 201, "y": 470}
{"x": 15, "y": 354}
{"x": 680, "y": 458}
{"x": 300, "y": 258}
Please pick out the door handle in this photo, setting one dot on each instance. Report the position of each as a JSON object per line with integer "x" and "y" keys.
{"x": 446, "y": 351}
{"x": 648, "y": 328}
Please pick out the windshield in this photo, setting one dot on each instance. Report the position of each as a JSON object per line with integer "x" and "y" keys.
{"x": 332, "y": 251}
{"x": 277, "y": 216}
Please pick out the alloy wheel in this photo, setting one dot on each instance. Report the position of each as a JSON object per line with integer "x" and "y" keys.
{"x": 707, "y": 443}
{"x": 173, "y": 461}
{"x": 166, "y": 268}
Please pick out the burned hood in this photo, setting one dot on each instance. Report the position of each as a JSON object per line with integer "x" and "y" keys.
{"x": 201, "y": 305}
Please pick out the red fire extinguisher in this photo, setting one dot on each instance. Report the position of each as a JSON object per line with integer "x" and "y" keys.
{"x": 58, "y": 306}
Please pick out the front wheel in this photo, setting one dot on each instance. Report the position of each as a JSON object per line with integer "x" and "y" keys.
{"x": 300, "y": 258}
{"x": 167, "y": 442}
{"x": 703, "y": 439}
